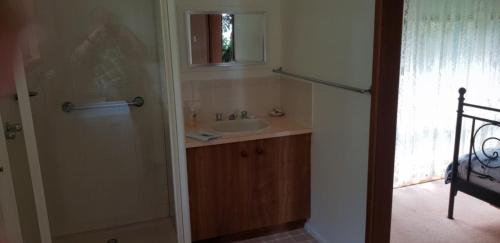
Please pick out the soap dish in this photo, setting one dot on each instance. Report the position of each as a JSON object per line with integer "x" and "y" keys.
{"x": 276, "y": 112}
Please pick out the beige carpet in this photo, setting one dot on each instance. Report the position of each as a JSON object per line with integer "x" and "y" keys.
{"x": 419, "y": 215}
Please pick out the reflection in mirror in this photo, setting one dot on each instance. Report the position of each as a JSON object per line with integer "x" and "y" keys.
{"x": 226, "y": 38}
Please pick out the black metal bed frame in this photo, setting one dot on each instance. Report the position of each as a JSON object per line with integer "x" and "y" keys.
{"x": 464, "y": 185}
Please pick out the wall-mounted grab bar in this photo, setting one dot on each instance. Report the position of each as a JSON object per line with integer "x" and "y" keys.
{"x": 319, "y": 81}
{"x": 69, "y": 106}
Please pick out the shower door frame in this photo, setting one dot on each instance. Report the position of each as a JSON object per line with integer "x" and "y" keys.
{"x": 9, "y": 212}
{"x": 172, "y": 87}
{"x": 31, "y": 149}
{"x": 171, "y": 107}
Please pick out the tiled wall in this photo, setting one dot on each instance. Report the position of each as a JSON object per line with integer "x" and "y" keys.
{"x": 258, "y": 96}
{"x": 296, "y": 100}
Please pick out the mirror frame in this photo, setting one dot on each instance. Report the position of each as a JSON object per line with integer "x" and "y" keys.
{"x": 189, "y": 59}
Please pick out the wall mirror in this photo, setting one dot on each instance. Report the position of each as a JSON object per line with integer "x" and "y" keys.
{"x": 225, "y": 39}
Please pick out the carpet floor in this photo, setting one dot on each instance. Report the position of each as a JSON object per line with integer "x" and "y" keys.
{"x": 419, "y": 215}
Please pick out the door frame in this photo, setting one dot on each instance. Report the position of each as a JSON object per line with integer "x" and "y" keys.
{"x": 172, "y": 87}
{"x": 8, "y": 202}
{"x": 383, "y": 121}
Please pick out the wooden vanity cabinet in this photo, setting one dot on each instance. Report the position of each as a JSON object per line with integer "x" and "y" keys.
{"x": 245, "y": 186}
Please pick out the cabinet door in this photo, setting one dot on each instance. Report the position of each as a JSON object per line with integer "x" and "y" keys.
{"x": 263, "y": 185}
{"x": 236, "y": 212}
{"x": 218, "y": 185}
{"x": 279, "y": 182}
{"x": 206, "y": 166}
{"x": 294, "y": 176}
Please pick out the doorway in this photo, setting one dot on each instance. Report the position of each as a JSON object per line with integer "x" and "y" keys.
{"x": 446, "y": 45}
{"x": 384, "y": 115}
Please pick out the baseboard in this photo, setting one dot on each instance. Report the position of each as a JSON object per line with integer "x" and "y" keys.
{"x": 314, "y": 233}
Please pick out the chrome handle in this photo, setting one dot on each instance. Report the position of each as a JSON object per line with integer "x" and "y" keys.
{"x": 259, "y": 151}
{"x": 244, "y": 115}
{"x": 30, "y": 94}
{"x": 233, "y": 117}
{"x": 244, "y": 154}
{"x": 218, "y": 116}
{"x": 13, "y": 127}
{"x": 69, "y": 106}
{"x": 11, "y": 130}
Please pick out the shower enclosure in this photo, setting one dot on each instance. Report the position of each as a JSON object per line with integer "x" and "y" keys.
{"x": 96, "y": 76}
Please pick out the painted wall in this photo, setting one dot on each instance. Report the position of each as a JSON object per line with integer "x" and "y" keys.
{"x": 332, "y": 40}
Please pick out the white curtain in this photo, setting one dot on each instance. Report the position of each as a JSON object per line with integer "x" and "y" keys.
{"x": 447, "y": 44}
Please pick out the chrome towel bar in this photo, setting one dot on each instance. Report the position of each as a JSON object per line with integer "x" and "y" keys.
{"x": 319, "y": 81}
{"x": 69, "y": 106}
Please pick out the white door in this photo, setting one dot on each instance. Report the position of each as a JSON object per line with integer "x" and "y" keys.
{"x": 10, "y": 228}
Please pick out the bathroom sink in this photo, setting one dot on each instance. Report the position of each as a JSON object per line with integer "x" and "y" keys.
{"x": 245, "y": 125}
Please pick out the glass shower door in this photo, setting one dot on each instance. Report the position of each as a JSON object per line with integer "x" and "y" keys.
{"x": 94, "y": 71}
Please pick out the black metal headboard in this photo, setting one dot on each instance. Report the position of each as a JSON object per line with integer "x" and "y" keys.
{"x": 466, "y": 186}
{"x": 473, "y": 150}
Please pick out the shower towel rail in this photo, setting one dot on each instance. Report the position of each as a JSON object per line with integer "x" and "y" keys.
{"x": 319, "y": 81}
{"x": 69, "y": 106}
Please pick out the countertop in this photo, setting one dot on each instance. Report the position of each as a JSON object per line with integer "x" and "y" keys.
{"x": 278, "y": 127}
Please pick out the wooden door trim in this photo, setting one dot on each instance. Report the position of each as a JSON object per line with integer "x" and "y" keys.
{"x": 385, "y": 87}
{"x": 215, "y": 38}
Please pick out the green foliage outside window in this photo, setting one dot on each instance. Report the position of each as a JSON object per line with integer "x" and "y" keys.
{"x": 227, "y": 38}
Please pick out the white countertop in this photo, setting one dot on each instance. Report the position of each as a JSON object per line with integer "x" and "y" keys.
{"x": 278, "y": 127}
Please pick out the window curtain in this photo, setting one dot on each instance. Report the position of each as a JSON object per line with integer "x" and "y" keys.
{"x": 447, "y": 44}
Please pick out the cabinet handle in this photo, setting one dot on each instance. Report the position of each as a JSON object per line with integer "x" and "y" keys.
{"x": 244, "y": 154}
{"x": 259, "y": 151}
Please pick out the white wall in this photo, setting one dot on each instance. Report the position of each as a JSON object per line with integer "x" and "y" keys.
{"x": 332, "y": 40}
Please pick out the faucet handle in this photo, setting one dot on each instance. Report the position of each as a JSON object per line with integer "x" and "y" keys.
{"x": 218, "y": 116}
{"x": 233, "y": 116}
{"x": 244, "y": 115}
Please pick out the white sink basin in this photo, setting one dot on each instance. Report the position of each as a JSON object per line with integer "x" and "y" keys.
{"x": 246, "y": 125}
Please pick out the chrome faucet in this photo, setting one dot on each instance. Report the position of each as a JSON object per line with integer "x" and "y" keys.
{"x": 218, "y": 116}
{"x": 233, "y": 116}
{"x": 244, "y": 115}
